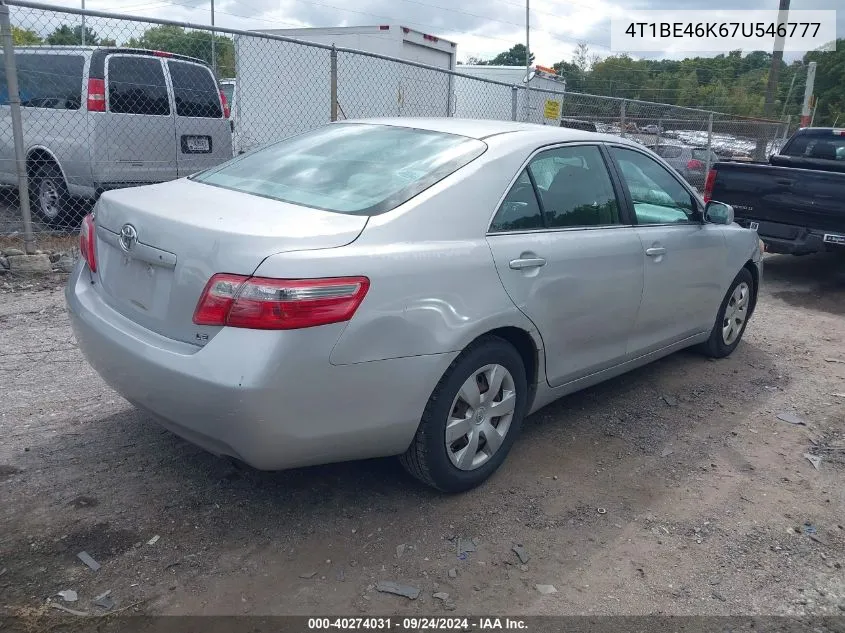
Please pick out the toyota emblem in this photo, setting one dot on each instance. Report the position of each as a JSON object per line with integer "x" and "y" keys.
{"x": 128, "y": 237}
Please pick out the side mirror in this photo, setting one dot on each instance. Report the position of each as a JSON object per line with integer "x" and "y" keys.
{"x": 718, "y": 213}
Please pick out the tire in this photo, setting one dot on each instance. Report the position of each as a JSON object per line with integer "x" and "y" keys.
{"x": 470, "y": 458}
{"x": 49, "y": 196}
{"x": 723, "y": 342}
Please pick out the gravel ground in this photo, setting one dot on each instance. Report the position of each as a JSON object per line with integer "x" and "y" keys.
{"x": 672, "y": 490}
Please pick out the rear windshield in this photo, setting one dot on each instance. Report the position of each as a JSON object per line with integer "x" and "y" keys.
{"x": 354, "y": 168}
{"x": 195, "y": 91}
{"x": 136, "y": 85}
{"x": 811, "y": 146}
{"x": 46, "y": 81}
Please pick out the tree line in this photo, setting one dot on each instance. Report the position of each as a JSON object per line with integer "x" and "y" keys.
{"x": 732, "y": 83}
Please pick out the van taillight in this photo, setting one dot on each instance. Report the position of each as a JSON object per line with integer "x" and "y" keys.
{"x": 695, "y": 164}
{"x": 708, "y": 185}
{"x": 226, "y": 110}
{"x": 279, "y": 304}
{"x": 96, "y": 95}
{"x": 87, "y": 237}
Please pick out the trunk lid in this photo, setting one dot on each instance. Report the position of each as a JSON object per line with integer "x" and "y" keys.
{"x": 182, "y": 232}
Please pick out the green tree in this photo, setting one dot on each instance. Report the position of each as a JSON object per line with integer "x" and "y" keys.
{"x": 830, "y": 84}
{"x": 25, "y": 37}
{"x": 515, "y": 56}
{"x": 66, "y": 35}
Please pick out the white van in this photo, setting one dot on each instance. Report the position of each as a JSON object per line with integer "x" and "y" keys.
{"x": 102, "y": 118}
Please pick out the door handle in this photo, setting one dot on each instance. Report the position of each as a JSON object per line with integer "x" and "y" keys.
{"x": 528, "y": 262}
{"x": 655, "y": 251}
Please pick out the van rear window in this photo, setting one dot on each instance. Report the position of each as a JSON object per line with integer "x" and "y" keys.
{"x": 354, "y": 168}
{"x": 46, "y": 81}
{"x": 136, "y": 85}
{"x": 195, "y": 90}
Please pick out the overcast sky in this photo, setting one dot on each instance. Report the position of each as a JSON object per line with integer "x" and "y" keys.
{"x": 481, "y": 28}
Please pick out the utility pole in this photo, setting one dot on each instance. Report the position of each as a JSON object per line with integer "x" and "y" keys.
{"x": 213, "y": 51}
{"x": 82, "y": 37}
{"x": 527, "y": 61}
{"x": 774, "y": 71}
{"x": 808, "y": 94}
{"x": 777, "y": 59}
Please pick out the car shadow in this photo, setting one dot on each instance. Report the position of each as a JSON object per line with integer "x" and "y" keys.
{"x": 148, "y": 464}
{"x": 814, "y": 282}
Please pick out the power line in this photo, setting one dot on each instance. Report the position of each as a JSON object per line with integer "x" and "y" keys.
{"x": 509, "y": 41}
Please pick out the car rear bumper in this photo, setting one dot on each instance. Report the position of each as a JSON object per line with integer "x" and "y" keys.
{"x": 793, "y": 240}
{"x": 270, "y": 399}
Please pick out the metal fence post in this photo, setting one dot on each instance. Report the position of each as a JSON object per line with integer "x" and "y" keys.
{"x": 659, "y": 132}
{"x": 709, "y": 141}
{"x": 333, "y": 82}
{"x": 622, "y": 126}
{"x": 514, "y": 103}
{"x": 17, "y": 126}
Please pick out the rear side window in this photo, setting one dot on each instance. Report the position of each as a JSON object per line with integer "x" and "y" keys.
{"x": 195, "y": 91}
{"x": 136, "y": 85}
{"x": 354, "y": 168}
{"x": 46, "y": 81}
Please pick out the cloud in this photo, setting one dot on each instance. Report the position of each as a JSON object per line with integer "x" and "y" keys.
{"x": 481, "y": 28}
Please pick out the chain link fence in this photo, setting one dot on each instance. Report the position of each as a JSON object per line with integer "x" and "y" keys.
{"x": 92, "y": 101}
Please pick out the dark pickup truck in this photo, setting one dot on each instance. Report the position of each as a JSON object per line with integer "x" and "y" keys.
{"x": 796, "y": 201}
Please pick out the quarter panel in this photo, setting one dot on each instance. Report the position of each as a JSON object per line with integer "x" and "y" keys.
{"x": 424, "y": 298}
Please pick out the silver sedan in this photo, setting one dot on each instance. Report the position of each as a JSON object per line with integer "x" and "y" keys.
{"x": 405, "y": 287}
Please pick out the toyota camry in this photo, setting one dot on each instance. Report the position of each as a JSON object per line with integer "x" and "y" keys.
{"x": 410, "y": 287}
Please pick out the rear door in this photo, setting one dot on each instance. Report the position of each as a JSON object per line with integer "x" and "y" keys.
{"x": 203, "y": 135}
{"x": 570, "y": 259}
{"x": 684, "y": 258}
{"x": 136, "y": 132}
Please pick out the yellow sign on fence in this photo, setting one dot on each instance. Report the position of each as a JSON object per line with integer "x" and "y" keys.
{"x": 551, "y": 109}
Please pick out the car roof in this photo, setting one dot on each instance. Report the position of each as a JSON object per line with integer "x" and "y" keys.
{"x": 485, "y": 128}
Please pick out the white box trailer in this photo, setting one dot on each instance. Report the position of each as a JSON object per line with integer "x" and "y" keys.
{"x": 476, "y": 99}
{"x": 284, "y": 88}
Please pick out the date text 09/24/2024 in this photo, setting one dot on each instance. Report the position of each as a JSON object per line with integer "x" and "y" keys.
{"x": 417, "y": 624}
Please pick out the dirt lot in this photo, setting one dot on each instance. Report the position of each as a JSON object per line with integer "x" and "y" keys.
{"x": 672, "y": 490}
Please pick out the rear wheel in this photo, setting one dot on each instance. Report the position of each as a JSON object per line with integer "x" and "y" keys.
{"x": 732, "y": 318}
{"x": 49, "y": 195}
{"x": 472, "y": 419}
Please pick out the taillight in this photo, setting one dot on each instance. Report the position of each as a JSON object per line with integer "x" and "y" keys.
{"x": 279, "y": 304}
{"x": 708, "y": 185}
{"x": 96, "y": 95}
{"x": 695, "y": 164}
{"x": 87, "y": 237}
{"x": 226, "y": 110}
